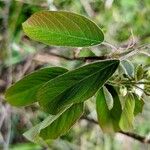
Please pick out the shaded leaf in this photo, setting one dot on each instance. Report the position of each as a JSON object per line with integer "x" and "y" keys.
{"x": 117, "y": 108}
{"x": 139, "y": 73}
{"x": 127, "y": 116}
{"x": 62, "y": 28}
{"x": 24, "y": 92}
{"x": 54, "y": 126}
{"x": 75, "y": 86}
{"x": 139, "y": 103}
{"x": 108, "y": 119}
{"x": 103, "y": 113}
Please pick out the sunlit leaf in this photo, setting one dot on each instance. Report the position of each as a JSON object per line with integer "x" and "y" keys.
{"x": 62, "y": 28}
{"x": 75, "y": 86}
{"x": 24, "y": 91}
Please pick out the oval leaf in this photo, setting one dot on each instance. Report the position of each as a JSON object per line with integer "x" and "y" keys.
{"x": 54, "y": 126}
{"x": 117, "y": 108}
{"x": 139, "y": 103}
{"x": 108, "y": 119}
{"x": 75, "y": 86}
{"x": 127, "y": 116}
{"x": 62, "y": 28}
{"x": 103, "y": 113}
{"x": 24, "y": 91}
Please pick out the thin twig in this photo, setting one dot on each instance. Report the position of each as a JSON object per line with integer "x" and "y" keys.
{"x": 132, "y": 43}
{"x": 79, "y": 58}
{"x": 137, "y": 50}
{"x": 135, "y": 136}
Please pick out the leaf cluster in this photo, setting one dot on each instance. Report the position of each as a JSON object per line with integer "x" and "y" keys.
{"x": 61, "y": 93}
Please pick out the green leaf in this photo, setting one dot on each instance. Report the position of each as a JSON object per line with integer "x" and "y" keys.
{"x": 54, "y": 126}
{"x": 62, "y": 28}
{"x": 75, "y": 86}
{"x": 108, "y": 119}
{"x": 24, "y": 91}
{"x": 103, "y": 113}
{"x": 117, "y": 108}
{"x": 127, "y": 116}
{"x": 86, "y": 53}
{"x": 139, "y": 103}
{"x": 139, "y": 73}
{"x": 108, "y": 97}
{"x": 63, "y": 123}
{"x": 127, "y": 67}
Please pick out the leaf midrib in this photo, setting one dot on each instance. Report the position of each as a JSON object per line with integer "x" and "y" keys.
{"x": 77, "y": 81}
{"x": 72, "y": 36}
{"x": 83, "y": 80}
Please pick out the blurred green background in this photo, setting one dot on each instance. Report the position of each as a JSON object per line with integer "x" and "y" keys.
{"x": 120, "y": 20}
